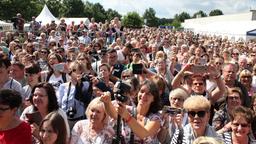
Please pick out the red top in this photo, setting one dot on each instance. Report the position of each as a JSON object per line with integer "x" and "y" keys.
{"x": 18, "y": 135}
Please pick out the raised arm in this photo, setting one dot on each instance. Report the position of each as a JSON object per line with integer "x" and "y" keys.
{"x": 109, "y": 107}
{"x": 142, "y": 131}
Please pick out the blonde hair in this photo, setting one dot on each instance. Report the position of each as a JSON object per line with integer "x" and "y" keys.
{"x": 160, "y": 54}
{"x": 97, "y": 102}
{"x": 207, "y": 140}
{"x": 197, "y": 102}
{"x": 245, "y": 72}
{"x": 178, "y": 92}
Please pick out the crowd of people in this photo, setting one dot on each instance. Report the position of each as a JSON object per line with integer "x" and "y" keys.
{"x": 103, "y": 83}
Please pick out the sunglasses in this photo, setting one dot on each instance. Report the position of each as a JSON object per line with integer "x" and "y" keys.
{"x": 43, "y": 52}
{"x": 235, "y": 53}
{"x": 242, "y": 125}
{"x": 4, "y": 109}
{"x": 233, "y": 97}
{"x": 200, "y": 114}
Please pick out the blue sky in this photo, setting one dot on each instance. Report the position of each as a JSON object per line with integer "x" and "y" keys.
{"x": 168, "y": 8}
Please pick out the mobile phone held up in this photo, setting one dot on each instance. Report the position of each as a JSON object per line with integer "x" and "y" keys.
{"x": 199, "y": 69}
{"x": 137, "y": 68}
{"x": 34, "y": 117}
{"x": 59, "y": 67}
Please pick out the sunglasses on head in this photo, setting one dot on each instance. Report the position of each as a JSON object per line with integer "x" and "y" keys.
{"x": 200, "y": 114}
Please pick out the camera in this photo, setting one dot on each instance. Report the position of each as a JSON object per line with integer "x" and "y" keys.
{"x": 172, "y": 111}
{"x": 71, "y": 112}
{"x": 120, "y": 89}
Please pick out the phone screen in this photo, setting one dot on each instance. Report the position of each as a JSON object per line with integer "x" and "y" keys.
{"x": 34, "y": 117}
{"x": 59, "y": 67}
{"x": 199, "y": 69}
{"x": 137, "y": 68}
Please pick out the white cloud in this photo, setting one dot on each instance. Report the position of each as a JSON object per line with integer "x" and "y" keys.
{"x": 168, "y": 8}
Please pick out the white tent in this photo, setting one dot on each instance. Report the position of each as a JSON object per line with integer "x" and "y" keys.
{"x": 6, "y": 26}
{"x": 46, "y": 16}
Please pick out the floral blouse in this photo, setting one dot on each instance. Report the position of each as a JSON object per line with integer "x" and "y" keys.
{"x": 81, "y": 134}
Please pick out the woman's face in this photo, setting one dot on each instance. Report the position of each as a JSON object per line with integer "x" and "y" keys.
{"x": 161, "y": 65}
{"x": 198, "y": 118}
{"x": 240, "y": 127}
{"x": 144, "y": 96}
{"x": 40, "y": 98}
{"x": 53, "y": 60}
{"x": 198, "y": 85}
{"x": 104, "y": 72}
{"x": 246, "y": 80}
{"x": 97, "y": 114}
{"x": 76, "y": 74}
{"x": 47, "y": 134}
{"x": 32, "y": 78}
{"x": 176, "y": 102}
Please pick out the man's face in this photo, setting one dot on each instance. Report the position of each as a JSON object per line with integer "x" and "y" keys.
{"x": 198, "y": 85}
{"x": 112, "y": 58}
{"x": 3, "y": 73}
{"x": 229, "y": 73}
{"x": 16, "y": 72}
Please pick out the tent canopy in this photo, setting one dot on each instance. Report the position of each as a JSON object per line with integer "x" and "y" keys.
{"x": 46, "y": 16}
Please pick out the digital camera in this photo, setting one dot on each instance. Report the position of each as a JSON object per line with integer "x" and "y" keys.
{"x": 71, "y": 112}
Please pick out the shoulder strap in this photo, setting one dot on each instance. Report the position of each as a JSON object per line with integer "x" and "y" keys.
{"x": 227, "y": 138}
{"x": 64, "y": 78}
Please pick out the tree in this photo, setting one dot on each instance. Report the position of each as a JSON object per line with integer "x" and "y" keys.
{"x": 200, "y": 13}
{"x": 98, "y": 12}
{"x": 73, "y": 8}
{"x": 132, "y": 19}
{"x": 182, "y": 16}
{"x": 88, "y": 9}
{"x": 28, "y": 8}
{"x": 215, "y": 12}
{"x": 56, "y": 7}
{"x": 176, "y": 23}
{"x": 150, "y": 17}
{"x": 112, "y": 13}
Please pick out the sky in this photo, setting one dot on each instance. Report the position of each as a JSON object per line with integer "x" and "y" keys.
{"x": 168, "y": 8}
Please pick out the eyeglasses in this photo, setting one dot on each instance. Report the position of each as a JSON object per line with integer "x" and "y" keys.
{"x": 242, "y": 125}
{"x": 246, "y": 77}
{"x": 4, "y": 109}
{"x": 218, "y": 63}
{"x": 233, "y": 97}
{"x": 126, "y": 76}
{"x": 178, "y": 99}
{"x": 200, "y": 114}
{"x": 43, "y": 52}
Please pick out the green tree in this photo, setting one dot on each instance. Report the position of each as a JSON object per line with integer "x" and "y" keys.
{"x": 56, "y": 7}
{"x": 182, "y": 16}
{"x": 88, "y": 9}
{"x": 28, "y": 8}
{"x": 200, "y": 13}
{"x": 176, "y": 23}
{"x": 215, "y": 12}
{"x": 132, "y": 19}
{"x": 112, "y": 13}
{"x": 150, "y": 17}
{"x": 98, "y": 12}
{"x": 73, "y": 8}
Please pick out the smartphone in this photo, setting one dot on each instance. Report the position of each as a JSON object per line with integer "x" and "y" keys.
{"x": 137, "y": 68}
{"x": 59, "y": 67}
{"x": 199, "y": 68}
{"x": 34, "y": 117}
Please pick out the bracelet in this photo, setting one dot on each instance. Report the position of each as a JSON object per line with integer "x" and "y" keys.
{"x": 128, "y": 119}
